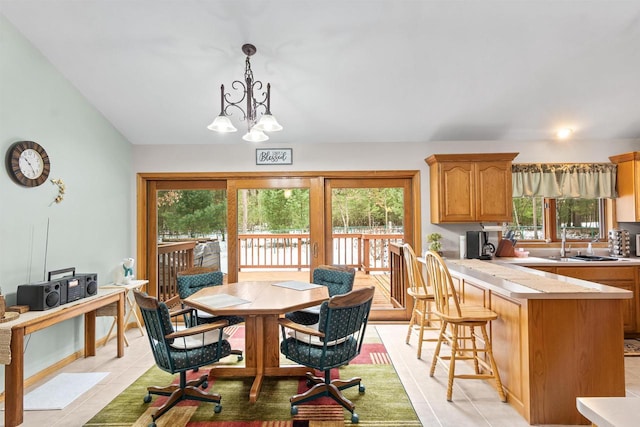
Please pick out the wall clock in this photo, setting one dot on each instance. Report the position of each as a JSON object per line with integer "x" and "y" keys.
{"x": 28, "y": 163}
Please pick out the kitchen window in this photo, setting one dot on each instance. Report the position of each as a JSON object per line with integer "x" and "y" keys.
{"x": 550, "y": 197}
{"x": 539, "y": 218}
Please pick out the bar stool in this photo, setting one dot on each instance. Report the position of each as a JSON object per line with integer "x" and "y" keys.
{"x": 460, "y": 317}
{"x": 423, "y": 298}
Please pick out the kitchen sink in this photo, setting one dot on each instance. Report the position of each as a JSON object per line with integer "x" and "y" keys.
{"x": 593, "y": 258}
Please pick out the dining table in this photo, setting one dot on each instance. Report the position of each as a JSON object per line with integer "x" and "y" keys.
{"x": 261, "y": 303}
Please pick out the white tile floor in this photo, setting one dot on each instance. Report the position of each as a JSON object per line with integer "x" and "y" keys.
{"x": 475, "y": 403}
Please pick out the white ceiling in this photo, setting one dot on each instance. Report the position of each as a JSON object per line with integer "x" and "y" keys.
{"x": 350, "y": 71}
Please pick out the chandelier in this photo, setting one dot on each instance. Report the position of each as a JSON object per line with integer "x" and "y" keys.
{"x": 255, "y": 128}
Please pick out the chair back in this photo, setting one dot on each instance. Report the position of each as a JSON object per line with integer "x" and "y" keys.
{"x": 343, "y": 319}
{"x": 157, "y": 321}
{"x": 417, "y": 283}
{"x": 193, "y": 279}
{"x": 338, "y": 279}
{"x": 445, "y": 295}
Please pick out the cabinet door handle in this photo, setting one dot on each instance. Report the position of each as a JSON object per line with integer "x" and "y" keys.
{"x": 315, "y": 250}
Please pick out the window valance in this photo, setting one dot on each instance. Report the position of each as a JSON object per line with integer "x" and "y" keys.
{"x": 565, "y": 180}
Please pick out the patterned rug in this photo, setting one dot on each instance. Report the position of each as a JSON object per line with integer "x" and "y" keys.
{"x": 632, "y": 347}
{"x": 384, "y": 403}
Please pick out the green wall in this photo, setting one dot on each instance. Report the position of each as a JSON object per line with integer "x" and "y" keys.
{"x": 91, "y": 229}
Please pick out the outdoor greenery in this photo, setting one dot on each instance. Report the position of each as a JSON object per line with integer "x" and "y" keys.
{"x": 581, "y": 217}
{"x": 200, "y": 213}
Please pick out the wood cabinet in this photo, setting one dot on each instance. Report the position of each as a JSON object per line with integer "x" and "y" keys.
{"x": 627, "y": 277}
{"x": 546, "y": 349}
{"x": 628, "y": 185}
{"x": 470, "y": 187}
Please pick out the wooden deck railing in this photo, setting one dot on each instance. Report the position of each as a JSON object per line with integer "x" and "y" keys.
{"x": 172, "y": 258}
{"x": 364, "y": 251}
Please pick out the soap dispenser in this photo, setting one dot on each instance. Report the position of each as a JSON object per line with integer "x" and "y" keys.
{"x": 589, "y": 249}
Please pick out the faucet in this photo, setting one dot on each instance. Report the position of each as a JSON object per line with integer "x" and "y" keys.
{"x": 563, "y": 243}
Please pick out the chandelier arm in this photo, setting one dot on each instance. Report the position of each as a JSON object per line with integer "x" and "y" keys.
{"x": 239, "y": 86}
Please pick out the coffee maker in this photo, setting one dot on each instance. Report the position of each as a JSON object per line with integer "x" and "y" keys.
{"x": 478, "y": 246}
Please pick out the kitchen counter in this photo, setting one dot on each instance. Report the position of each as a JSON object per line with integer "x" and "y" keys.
{"x": 554, "y": 262}
{"x": 514, "y": 280}
{"x": 556, "y": 338}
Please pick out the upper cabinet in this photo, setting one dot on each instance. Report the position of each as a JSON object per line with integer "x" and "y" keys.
{"x": 628, "y": 183}
{"x": 470, "y": 187}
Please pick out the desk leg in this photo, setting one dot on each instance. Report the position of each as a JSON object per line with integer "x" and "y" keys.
{"x": 90, "y": 333}
{"x": 14, "y": 381}
{"x": 120, "y": 322}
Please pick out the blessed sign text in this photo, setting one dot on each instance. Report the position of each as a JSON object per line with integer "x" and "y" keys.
{"x": 274, "y": 156}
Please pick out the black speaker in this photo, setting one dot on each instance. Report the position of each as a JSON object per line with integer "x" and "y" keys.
{"x": 40, "y": 296}
{"x": 91, "y": 283}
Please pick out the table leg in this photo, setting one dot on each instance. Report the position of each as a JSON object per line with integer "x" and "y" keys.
{"x": 14, "y": 381}
{"x": 258, "y": 339}
{"x": 90, "y": 333}
{"x": 120, "y": 322}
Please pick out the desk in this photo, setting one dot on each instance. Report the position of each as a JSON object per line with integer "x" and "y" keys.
{"x": 261, "y": 313}
{"x": 130, "y": 307}
{"x": 33, "y": 321}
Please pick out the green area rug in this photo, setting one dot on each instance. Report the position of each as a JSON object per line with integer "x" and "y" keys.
{"x": 384, "y": 403}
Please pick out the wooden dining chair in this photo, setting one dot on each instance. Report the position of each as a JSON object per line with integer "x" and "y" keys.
{"x": 458, "y": 329}
{"x": 422, "y": 316}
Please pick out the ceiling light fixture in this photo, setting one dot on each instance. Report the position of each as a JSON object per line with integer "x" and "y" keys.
{"x": 255, "y": 128}
{"x": 564, "y": 133}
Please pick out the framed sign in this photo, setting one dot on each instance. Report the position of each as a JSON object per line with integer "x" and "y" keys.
{"x": 274, "y": 156}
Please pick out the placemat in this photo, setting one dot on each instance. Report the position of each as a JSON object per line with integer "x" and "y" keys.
{"x": 533, "y": 281}
{"x": 221, "y": 300}
{"x": 298, "y": 286}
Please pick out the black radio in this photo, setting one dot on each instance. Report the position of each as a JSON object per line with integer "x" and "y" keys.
{"x": 72, "y": 287}
{"x": 46, "y": 295}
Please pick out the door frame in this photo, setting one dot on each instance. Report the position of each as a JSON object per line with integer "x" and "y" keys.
{"x": 147, "y": 184}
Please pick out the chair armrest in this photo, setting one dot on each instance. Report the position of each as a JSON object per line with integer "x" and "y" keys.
{"x": 300, "y": 328}
{"x": 196, "y": 330}
{"x": 186, "y": 310}
{"x": 173, "y": 302}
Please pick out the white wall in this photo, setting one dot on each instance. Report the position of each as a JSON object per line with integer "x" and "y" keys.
{"x": 239, "y": 156}
{"x": 91, "y": 228}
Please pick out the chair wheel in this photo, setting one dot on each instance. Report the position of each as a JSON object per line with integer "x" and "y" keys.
{"x": 361, "y": 388}
{"x": 240, "y": 358}
{"x": 294, "y": 410}
{"x": 205, "y": 385}
{"x": 195, "y": 369}
{"x": 152, "y": 424}
{"x": 217, "y": 409}
{"x": 147, "y": 398}
{"x": 355, "y": 418}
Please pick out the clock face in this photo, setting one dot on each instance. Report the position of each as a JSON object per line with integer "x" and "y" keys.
{"x": 28, "y": 163}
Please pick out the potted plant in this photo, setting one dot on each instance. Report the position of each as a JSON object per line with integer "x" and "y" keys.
{"x": 434, "y": 242}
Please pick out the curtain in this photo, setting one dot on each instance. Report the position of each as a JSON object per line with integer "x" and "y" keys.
{"x": 568, "y": 180}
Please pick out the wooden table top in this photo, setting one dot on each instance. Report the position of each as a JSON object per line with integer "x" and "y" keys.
{"x": 260, "y": 298}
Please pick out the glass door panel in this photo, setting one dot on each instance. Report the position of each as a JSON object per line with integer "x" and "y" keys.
{"x": 363, "y": 217}
{"x": 274, "y": 239}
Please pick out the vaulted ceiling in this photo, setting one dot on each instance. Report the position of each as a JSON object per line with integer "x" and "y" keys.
{"x": 350, "y": 71}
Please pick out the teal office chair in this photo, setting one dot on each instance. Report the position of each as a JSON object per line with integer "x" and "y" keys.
{"x": 338, "y": 280}
{"x": 191, "y": 281}
{"x": 337, "y": 340}
{"x": 179, "y": 351}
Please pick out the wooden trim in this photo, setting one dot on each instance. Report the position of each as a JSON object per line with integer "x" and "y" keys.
{"x": 474, "y": 157}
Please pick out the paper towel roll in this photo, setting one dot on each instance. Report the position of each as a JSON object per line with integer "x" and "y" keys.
{"x": 463, "y": 246}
